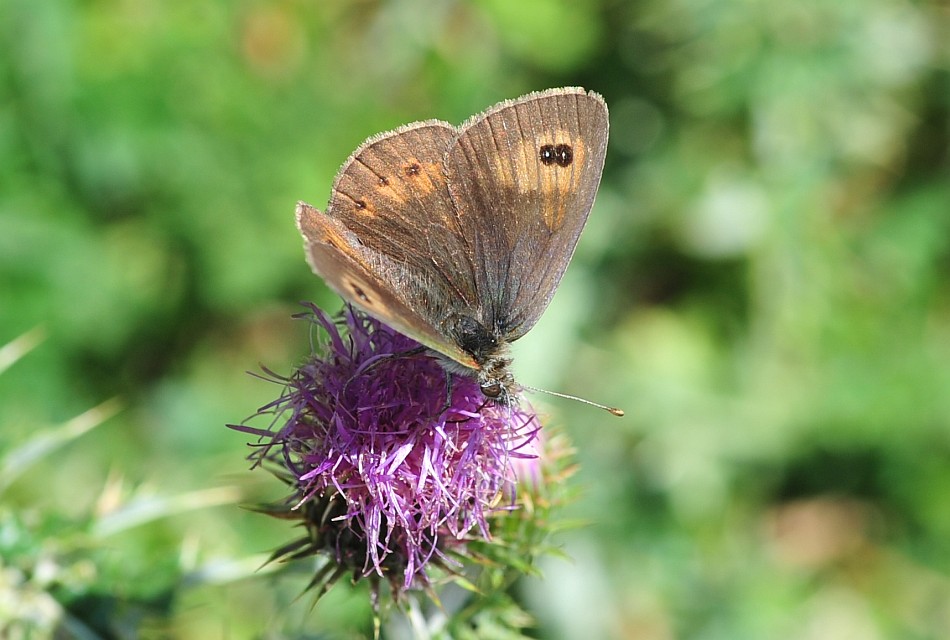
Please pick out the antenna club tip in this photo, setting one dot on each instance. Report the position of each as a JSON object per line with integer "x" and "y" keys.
{"x": 615, "y": 411}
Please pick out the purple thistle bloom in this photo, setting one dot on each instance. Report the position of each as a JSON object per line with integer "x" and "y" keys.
{"x": 388, "y": 470}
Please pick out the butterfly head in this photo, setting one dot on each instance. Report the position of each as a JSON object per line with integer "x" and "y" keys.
{"x": 495, "y": 379}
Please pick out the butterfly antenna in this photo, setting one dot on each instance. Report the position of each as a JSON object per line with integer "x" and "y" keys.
{"x": 612, "y": 410}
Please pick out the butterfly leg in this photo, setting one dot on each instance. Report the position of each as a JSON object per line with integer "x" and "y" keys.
{"x": 366, "y": 368}
{"x": 449, "y": 387}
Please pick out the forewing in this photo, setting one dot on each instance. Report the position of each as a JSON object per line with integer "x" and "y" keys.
{"x": 523, "y": 177}
{"x": 336, "y": 255}
{"x": 390, "y": 240}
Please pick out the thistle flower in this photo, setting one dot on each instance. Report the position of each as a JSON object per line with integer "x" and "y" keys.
{"x": 392, "y": 460}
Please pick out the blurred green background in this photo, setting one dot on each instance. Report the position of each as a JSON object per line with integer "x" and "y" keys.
{"x": 762, "y": 286}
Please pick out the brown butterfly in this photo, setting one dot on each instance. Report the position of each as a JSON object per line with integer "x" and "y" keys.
{"x": 458, "y": 236}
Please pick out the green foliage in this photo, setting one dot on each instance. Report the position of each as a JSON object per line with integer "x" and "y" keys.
{"x": 762, "y": 286}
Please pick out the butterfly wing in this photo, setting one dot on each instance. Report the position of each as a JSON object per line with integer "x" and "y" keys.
{"x": 390, "y": 241}
{"x": 428, "y": 223}
{"x": 522, "y": 177}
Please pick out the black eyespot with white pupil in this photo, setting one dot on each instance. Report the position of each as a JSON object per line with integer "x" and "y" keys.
{"x": 560, "y": 154}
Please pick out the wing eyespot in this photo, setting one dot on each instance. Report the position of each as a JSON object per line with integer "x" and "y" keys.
{"x": 359, "y": 294}
{"x": 560, "y": 154}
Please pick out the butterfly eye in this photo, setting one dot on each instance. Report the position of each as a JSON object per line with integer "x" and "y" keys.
{"x": 491, "y": 389}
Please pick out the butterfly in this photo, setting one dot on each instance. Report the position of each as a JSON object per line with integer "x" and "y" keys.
{"x": 458, "y": 236}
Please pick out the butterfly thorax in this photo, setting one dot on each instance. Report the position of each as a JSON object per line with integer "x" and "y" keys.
{"x": 489, "y": 350}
